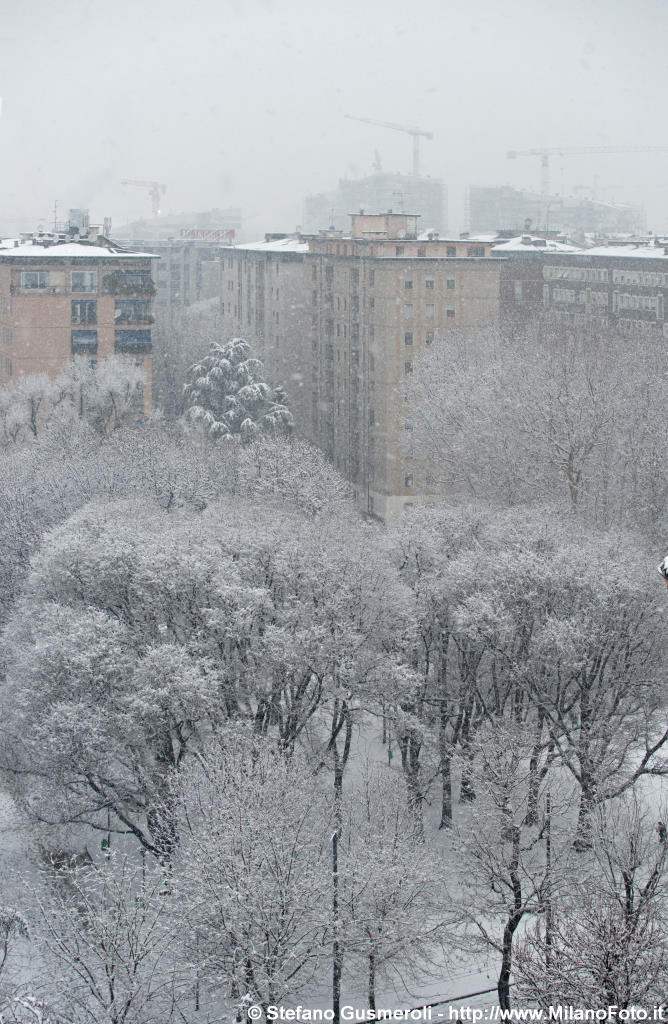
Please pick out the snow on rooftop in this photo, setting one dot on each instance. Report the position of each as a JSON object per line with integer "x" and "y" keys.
{"x": 534, "y": 244}
{"x": 290, "y": 244}
{"x": 68, "y": 250}
{"x": 642, "y": 251}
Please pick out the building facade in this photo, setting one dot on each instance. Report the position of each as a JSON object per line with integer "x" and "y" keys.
{"x": 521, "y": 285}
{"x": 624, "y": 287}
{"x": 61, "y": 298}
{"x": 340, "y": 320}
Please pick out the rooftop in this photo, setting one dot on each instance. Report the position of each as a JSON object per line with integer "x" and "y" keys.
{"x": 532, "y": 243}
{"x": 651, "y": 252}
{"x": 291, "y": 243}
{"x": 44, "y": 247}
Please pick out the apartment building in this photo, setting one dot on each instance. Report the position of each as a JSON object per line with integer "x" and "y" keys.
{"x": 615, "y": 286}
{"x": 185, "y": 271}
{"x": 63, "y": 295}
{"x": 521, "y": 285}
{"x": 342, "y": 319}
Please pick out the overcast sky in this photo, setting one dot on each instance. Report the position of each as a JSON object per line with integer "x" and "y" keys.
{"x": 242, "y": 102}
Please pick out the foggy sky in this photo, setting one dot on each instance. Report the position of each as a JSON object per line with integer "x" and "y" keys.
{"x": 241, "y": 102}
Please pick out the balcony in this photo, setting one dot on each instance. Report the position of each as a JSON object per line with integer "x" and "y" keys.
{"x": 37, "y": 290}
{"x": 84, "y": 342}
{"x": 132, "y": 313}
{"x": 138, "y": 342}
{"x": 128, "y": 283}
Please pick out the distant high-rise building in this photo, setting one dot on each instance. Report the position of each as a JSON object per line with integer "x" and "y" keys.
{"x": 507, "y": 209}
{"x": 207, "y": 225}
{"x": 378, "y": 193}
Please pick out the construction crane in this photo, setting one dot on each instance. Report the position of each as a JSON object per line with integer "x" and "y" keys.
{"x": 154, "y": 190}
{"x": 545, "y": 155}
{"x": 415, "y": 133}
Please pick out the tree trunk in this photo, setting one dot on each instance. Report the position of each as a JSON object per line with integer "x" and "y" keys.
{"x": 410, "y": 745}
{"x": 337, "y": 954}
{"x": 446, "y": 800}
{"x": 503, "y": 984}
{"x": 585, "y": 811}
{"x": 342, "y": 719}
{"x": 534, "y": 774}
{"x": 372, "y": 982}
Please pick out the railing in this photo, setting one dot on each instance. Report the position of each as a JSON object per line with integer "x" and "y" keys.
{"x": 133, "y": 321}
{"x": 122, "y": 284}
{"x": 17, "y": 289}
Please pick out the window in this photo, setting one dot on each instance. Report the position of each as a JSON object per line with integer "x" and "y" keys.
{"x": 429, "y": 309}
{"x": 84, "y": 280}
{"x": 6, "y": 365}
{"x": 34, "y": 278}
{"x": 408, "y": 282}
{"x": 450, "y": 282}
{"x": 84, "y": 341}
{"x": 451, "y": 250}
{"x": 6, "y": 335}
{"x": 372, "y": 362}
{"x": 429, "y": 282}
{"x": 517, "y": 288}
{"x": 408, "y": 309}
{"x": 133, "y": 341}
{"x": 475, "y": 250}
{"x": 408, "y": 480}
{"x": 84, "y": 311}
{"x": 314, "y": 272}
{"x": 408, "y": 338}
{"x": 399, "y": 250}
{"x": 421, "y": 251}
{"x": 372, "y": 304}
{"x": 408, "y": 366}
{"x": 372, "y": 278}
{"x": 429, "y": 337}
{"x": 372, "y": 417}
{"x": 450, "y": 311}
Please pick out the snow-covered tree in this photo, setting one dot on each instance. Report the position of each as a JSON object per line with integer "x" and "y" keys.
{"x": 547, "y": 415}
{"x": 106, "y": 944}
{"x": 24, "y": 407}
{"x": 253, "y": 871}
{"x": 228, "y": 396}
{"x": 520, "y": 619}
{"x": 143, "y": 628}
{"x": 393, "y": 901}
{"x": 506, "y": 874}
{"x": 106, "y": 694}
{"x": 604, "y": 942}
{"x": 104, "y": 397}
